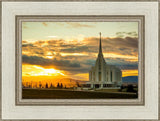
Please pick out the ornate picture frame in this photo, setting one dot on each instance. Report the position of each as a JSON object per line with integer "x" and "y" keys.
{"x": 13, "y": 9}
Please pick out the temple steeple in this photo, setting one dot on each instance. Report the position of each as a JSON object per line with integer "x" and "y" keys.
{"x": 100, "y": 46}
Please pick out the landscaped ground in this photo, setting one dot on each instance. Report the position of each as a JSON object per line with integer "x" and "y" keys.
{"x": 70, "y": 94}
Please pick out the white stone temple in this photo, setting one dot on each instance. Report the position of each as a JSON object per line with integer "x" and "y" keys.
{"x": 103, "y": 75}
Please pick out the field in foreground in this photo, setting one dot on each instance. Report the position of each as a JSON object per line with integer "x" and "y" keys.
{"x": 69, "y": 94}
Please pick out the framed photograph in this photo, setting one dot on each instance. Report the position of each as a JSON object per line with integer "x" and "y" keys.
{"x": 79, "y": 65}
{"x": 80, "y": 60}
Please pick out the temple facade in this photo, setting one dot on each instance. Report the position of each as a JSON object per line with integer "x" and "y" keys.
{"x": 103, "y": 75}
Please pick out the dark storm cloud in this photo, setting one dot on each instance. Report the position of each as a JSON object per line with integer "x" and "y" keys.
{"x": 128, "y": 67}
{"x": 72, "y": 67}
{"x": 55, "y": 41}
{"x": 125, "y": 46}
{"x": 35, "y": 60}
{"x": 76, "y": 49}
{"x": 27, "y": 45}
{"x": 33, "y": 49}
{"x": 119, "y": 61}
{"x": 76, "y": 70}
{"x": 117, "y": 42}
{"x": 122, "y": 63}
{"x": 90, "y": 62}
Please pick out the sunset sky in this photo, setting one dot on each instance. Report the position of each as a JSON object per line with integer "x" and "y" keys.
{"x": 53, "y": 50}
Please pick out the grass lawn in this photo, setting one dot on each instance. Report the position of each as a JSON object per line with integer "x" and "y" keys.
{"x": 69, "y": 94}
{"x": 108, "y": 90}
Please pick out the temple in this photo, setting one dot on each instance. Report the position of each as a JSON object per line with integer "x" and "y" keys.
{"x": 103, "y": 75}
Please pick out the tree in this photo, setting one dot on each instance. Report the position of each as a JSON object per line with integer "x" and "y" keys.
{"x": 121, "y": 88}
{"x": 51, "y": 86}
{"x": 40, "y": 85}
{"x": 46, "y": 85}
{"x": 58, "y": 85}
{"x": 35, "y": 85}
{"x": 130, "y": 88}
{"x": 61, "y": 85}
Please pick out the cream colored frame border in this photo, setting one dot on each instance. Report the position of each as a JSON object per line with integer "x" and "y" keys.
{"x": 139, "y": 101}
{"x": 61, "y": 108}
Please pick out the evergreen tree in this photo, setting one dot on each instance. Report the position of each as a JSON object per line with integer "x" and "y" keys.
{"x": 58, "y": 85}
{"x": 51, "y": 86}
{"x": 46, "y": 85}
{"x": 40, "y": 85}
{"x": 61, "y": 85}
{"x": 130, "y": 88}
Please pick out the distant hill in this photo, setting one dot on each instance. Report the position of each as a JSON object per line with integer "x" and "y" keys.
{"x": 130, "y": 79}
{"x": 68, "y": 82}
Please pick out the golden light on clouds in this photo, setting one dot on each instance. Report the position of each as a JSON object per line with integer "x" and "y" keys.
{"x": 25, "y": 53}
{"x": 34, "y": 70}
{"x": 49, "y": 57}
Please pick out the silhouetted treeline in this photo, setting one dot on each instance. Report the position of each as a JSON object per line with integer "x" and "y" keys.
{"x": 40, "y": 85}
{"x": 129, "y": 88}
{"x": 60, "y": 85}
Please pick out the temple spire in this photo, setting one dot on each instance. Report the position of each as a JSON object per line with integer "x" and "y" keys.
{"x": 100, "y": 46}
